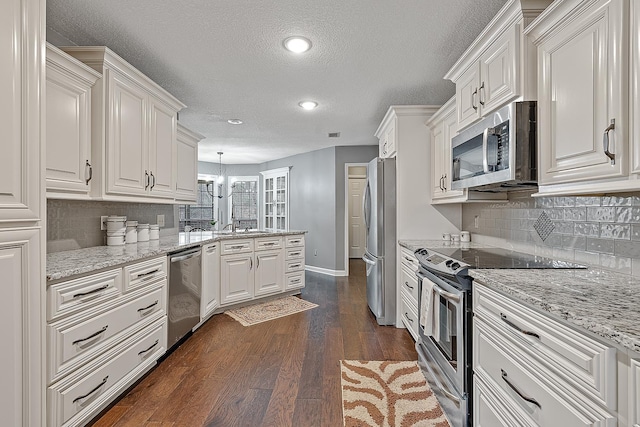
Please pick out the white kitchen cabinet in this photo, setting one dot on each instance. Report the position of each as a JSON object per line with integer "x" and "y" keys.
{"x": 269, "y": 274}
{"x": 634, "y": 393}
{"x": 68, "y": 106}
{"x": 276, "y": 198}
{"x": 22, "y": 211}
{"x": 388, "y": 139}
{"x": 634, "y": 91}
{"x": 556, "y": 375}
{"x": 294, "y": 247}
{"x": 408, "y": 295}
{"x": 582, "y": 91}
{"x": 236, "y": 278}
{"x": 134, "y": 131}
{"x": 492, "y": 407}
{"x": 499, "y": 66}
{"x": 187, "y": 164}
{"x": 210, "y": 298}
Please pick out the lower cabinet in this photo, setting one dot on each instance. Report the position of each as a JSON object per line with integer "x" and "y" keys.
{"x": 269, "y": 275}
{"x": 236, "y": 278}
{"x": 634, "y": 393}
{"x": 210, "y": 298}
{"x": 104, "y": 331}
{"x": 408, "y": 302}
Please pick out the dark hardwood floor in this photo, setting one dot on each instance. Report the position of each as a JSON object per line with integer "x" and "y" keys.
{"x": 284, "y": 372}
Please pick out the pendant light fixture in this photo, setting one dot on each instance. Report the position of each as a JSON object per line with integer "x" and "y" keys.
{"x": 220, "y": 176}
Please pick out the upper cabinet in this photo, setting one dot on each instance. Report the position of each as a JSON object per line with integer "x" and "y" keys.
{"x": 499, "y": 66}
{"x": 388, "y": 137}
{"x": 134, "y": 131}
{"x": 187, "y": 165}
{"x": 584, "y": 110}
{"x": 69, "y": 168}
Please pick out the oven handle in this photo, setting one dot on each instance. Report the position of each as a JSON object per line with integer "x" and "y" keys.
{"x": 446, "y": 392}
{"x": 437, "y": 289}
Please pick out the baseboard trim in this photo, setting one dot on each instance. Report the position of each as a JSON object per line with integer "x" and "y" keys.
{"x": 327, "y": 271}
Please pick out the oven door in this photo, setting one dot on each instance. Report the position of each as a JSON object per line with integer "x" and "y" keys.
{"x": 446, "y": 341}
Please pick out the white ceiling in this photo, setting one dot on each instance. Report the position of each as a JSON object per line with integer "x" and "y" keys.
{"x": 224, "y": 59}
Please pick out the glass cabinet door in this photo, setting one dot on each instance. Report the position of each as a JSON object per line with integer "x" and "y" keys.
{"x": 276, "y": 199}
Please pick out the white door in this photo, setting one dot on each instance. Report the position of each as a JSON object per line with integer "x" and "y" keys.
{"x": 236, "y": 278}
{"x": 357, "y": 231}
{"x": 186, "y": 168}
{"x": 162, "y": 146}
{"x": 269, "y": 272}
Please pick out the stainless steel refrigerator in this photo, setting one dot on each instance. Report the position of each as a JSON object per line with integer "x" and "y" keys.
{"x": 380, "y": 252}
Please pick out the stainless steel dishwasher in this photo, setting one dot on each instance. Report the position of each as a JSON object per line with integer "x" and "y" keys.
{"x": 185, "y": 287}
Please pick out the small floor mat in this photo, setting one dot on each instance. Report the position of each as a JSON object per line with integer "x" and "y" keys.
{"x": 258, "y": 313}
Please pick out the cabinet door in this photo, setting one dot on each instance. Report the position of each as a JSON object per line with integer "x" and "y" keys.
{"x": 68, "y": 134}
{"x": 498, "y": 71}
{"x": 186, "y": 170}
{"x": 269, "y": 272}
{"x": 210, "y": 280}
{"x": 634, "y": 393}
{"x": 635, "y": 87}
{"x": 582, "y": 83}
{"x": 450, "y": 125}
{"x": 162, "y": 146}
{"x": 236, "y": 278}
{"x": 391, "y": 139}
{"x": 127, "y": 139}
{"x": 467, "y": 96}
{"x": 437, "y": 166}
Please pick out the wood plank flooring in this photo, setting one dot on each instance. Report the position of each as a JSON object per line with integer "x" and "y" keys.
{"x": 280, "y": 373}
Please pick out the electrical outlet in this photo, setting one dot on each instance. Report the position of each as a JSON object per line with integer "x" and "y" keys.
{"x": 103, "y": 222}
{"x": 160, "y": 220}
{"x": 476, "y": 221}
{"x": 315, "y": 252}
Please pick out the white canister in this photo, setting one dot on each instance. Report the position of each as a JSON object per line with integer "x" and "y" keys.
{"x": 115, "y": 238}
{"x": 116, "y": 223}
{"x": 455, "y": 238}
{"x": 132, "y": 232}
{"x": 446, "y": 237}
{"x": 154, "y": 232}
{"x": 465, "y": 236}
{"x": 143, "y": 232}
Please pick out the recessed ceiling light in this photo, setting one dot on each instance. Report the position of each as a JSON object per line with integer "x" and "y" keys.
{"x": 234, "y": 121}
{"x": 308, "y": 105}
{"x": 297, "y": 44}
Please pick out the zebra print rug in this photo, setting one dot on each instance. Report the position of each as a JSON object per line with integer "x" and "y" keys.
{"x": 387, "y": 394}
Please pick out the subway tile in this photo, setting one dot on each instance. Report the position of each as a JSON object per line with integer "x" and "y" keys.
{"x": 544, "y": 202}
{"x": 565, "y": 254}
{"x": 635, "y": 267}
{"x": 619, "y": 264}
{"x": 563, "y": 227}
{"x": 635, "y": 200}
{"x": 626, "y": 248}
{"x": 554, "y": 214}
{"x": 616, "y": 201}
{"x": 574, "y": 242}
{"x": 564, "y": 201}
{"x": 615, "y": 231}
{"x": 600, "y": 245}
{"x": 601, "y": 214}
{"x": 554, "y": 240}
{"x": 519, "y": 235}
{"x": 635, "y": 232}
{"x": 534, "y": 213}
{"x": 589, "y": 229}
{"x": 623, "y": 215}
{"x": 587, "y": 201}
{"x": 575, "y": 214}
{"x": 589, "y": 258}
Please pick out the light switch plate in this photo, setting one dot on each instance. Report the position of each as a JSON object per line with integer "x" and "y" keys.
{"x": 103, "y": 222}
{"x": 160, "y": 220}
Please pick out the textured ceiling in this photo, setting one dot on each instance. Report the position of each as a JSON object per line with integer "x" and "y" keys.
{"x": 224, "y": 59}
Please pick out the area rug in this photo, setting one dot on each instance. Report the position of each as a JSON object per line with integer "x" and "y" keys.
{"x": 258, "y": 313}
{"x": 387, "y": 394}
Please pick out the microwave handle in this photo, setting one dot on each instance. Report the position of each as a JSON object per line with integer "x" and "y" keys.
{"x": 485, "y": 148}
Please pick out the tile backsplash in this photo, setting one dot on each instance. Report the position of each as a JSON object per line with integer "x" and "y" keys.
{"x": 601, "y": 231}
{"x": 76, "y": 224}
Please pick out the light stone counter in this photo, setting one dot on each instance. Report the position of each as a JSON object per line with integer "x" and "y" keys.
{"x": 62, "y": 265}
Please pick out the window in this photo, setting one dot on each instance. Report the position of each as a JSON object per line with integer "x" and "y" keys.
{"x": 243, "y": 205}
{"x": 276, "y": 199}
{"x": 204, "y": 211}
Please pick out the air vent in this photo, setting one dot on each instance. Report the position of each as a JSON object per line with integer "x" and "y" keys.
{"x": 334, "y": 134}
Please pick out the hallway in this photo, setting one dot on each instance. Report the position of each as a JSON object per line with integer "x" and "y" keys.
{"x": 284, "y": 372}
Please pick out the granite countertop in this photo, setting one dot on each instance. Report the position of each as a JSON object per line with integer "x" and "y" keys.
{"x": 603, "y": 302}
{"x": 62, "y": 265}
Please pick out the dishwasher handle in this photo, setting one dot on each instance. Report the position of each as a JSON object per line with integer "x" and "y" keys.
{"x": 181, "y": 256}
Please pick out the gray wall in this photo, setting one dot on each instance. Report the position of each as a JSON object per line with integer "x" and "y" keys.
{"x": 598, "y": 231}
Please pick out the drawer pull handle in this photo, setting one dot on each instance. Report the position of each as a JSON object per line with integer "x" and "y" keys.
{"x": 514, "y": 388}
{"x": 408, "y": 259}
{"x": 148, "y": 273}
{"x": 408, "y": 286}
{"x": 237, "y": 247}
{"x": 295, "y": 281}
{"x": 408, "y": 318}
{"x": 517, "y": 328}
{"x": 140, "y": 353}
{"x": 148, "y": 307}
{"x": 294, "y": 241}
{"x": 95, "y": 334}
{"x": 294, "y": 253}
{"x": 269, "y": 243}
{"x": 82, "y": 294}
{"x": 104, "y": 381}
{"x": 294, "y": 266}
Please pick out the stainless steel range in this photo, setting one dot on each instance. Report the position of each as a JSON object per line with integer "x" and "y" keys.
{"x": 445, "y": 306}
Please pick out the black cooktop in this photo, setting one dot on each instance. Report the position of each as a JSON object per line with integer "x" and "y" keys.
{"x": 501, "y": 258}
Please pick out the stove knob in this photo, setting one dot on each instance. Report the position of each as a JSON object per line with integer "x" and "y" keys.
{"x": 455, "y": 266}
{"x": 448, "y": 263}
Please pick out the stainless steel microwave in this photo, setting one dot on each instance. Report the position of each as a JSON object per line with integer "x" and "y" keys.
{"x": 499, "y": 152}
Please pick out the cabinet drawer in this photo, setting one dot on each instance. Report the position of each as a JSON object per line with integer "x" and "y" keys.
{"x": 588, "y": 364}
{"x": 265, "y": 243}
{"x": 409, "y": 283}
{"x": 493, "y": 408}
{"x": 295, "y": 240}
{"x": 66, "y": 298}
{"x": 294, "y": 265}
{"x": 295, "y": 280}
{"x": 409, "y": 260}
{"x": 236, "y": 246}
{"x": 295, "y": 253}
{"x": 548, "y": 399}
{"x": 143, "y": 273}
{"x": 409, "y": 314}
{"x": 73, "y": 341}
{"x": 77, "y": 398}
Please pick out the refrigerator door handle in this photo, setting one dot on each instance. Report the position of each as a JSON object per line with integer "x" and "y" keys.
{"x": 366, "y": 205}
{"x": 366, "y": 259}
